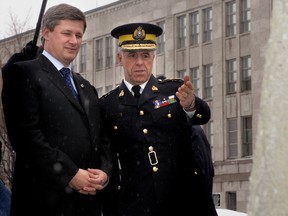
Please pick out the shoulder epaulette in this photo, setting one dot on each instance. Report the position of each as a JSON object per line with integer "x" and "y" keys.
{"x": 108, "y": 93}
{"x": 170, "y": 80}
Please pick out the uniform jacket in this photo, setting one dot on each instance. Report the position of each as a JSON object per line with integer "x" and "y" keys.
{"x": 152, "y": 139}
{"x": 53, "y": 135}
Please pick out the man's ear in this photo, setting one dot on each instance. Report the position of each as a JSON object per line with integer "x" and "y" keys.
{"x": 119, "y": 58}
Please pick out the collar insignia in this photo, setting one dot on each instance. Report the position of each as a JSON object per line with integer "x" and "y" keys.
{"x": 154, "y": 88}
{"x": 121, "y": 94}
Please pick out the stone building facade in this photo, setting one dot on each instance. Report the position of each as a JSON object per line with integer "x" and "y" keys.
{"x": 220, "y": 44}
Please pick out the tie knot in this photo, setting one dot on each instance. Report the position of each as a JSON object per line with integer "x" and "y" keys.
{"x": 65, "y": 72}
{"x": 136, "y": 90}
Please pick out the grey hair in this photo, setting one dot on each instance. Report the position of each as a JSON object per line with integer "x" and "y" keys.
{"x": 62, "y": 12}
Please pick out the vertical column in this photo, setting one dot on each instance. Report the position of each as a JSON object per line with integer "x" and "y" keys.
{"x": 268, "y": 193}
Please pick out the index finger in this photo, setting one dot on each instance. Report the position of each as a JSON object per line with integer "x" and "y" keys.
{"x": 186, "y": 79}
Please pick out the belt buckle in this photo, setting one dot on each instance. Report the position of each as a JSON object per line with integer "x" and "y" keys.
{"x": 152, "y": 155}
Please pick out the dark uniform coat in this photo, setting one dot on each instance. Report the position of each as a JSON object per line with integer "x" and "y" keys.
{"x": 152, "y": 139}
{"x": 201, "y": 149}
{"x": 53, "y": 135}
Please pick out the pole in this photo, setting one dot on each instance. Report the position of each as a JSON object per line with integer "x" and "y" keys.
{"x": 38, "y": 26}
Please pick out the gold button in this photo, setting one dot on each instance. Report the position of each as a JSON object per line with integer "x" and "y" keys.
{"x": 169, "y": 115}
{"x": 151, "y": 148}
{"x": 155, "y": 169}
{"x": 115, "y": 127}
{"x": 141, "y": 112}
{"x": 199, "y": 116}
{"x": 145, "y": 131}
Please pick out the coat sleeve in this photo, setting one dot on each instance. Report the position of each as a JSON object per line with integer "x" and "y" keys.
{"x": 202, "y": 114}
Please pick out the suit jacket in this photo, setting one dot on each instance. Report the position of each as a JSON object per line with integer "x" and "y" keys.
{"x": 53, "y": 135}
{"x": 152, "y": 139}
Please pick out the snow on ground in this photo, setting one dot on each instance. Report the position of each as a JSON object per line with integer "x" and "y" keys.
{"x": 227, "y": 212}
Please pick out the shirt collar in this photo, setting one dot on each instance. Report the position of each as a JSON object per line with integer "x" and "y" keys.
{"x": 54, "y": 61}
{"x": 129, "y": 86}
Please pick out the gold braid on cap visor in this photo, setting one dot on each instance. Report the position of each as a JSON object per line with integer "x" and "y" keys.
{"x": 128, "y": 42}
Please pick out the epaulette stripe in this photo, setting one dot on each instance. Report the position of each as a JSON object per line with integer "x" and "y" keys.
{"x": 107, "y": 94}
{"x": 171, "y": 80}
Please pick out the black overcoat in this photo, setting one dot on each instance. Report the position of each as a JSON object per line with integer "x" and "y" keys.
{"x": 152, "y": 139}
{"x": 53, "y": 135}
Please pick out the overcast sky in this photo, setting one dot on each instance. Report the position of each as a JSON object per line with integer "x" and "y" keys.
{"x": 29, "y": 10}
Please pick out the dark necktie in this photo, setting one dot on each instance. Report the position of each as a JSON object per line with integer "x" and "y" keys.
{"x": 136, "y": 90}
{"x": 65, "y": 72}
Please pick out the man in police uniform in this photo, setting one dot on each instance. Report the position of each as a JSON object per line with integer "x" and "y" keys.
{"x": 149, "y": 123}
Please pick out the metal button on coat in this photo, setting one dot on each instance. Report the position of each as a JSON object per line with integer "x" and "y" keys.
{"x": 155, "y": 169}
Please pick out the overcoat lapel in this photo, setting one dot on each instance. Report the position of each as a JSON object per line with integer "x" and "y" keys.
{"x": 125, "y": 96}
{"x": 82, "y": 92}
{"x": 150, "y": 91}
{"x": 55, "y": 77}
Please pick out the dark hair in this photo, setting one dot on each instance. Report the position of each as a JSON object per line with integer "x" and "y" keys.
{"x": 62, "y": 12}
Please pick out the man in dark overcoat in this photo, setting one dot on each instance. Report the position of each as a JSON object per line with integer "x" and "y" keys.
{"x": 54, "y": 124}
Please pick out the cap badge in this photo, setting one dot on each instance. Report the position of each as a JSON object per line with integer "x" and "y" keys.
{"x": 139, "y": 34}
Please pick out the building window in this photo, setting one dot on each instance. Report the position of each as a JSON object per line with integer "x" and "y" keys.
{"x": 231, "y": 200}
{"x": 194, "y": 28}
{"x": 232, "y": 138}
{"x": 247, "y": 136}
{"x": 246, "y": 73}
{"x": 99, "y": 91}
{"x": 108, "y": 88}
{"x": 99, "y": 54}
{"x": 109, "y": 52}
{"x": 195, "y": 79}
{"x": 245, "y": 16}
{"x": 208, "y": 128}
{"x": 181, "y": 29}
{"x": 181, "y": 74}
{"x": 207, "y": 24}
{"x": 231, "y": 76}
{"x": 161, "y": 39}
{"x": 83, "y": 55}
{"x": 208, "y": 81}
{"x": 209, "y": 132}
{"x": 230, "y": 18}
